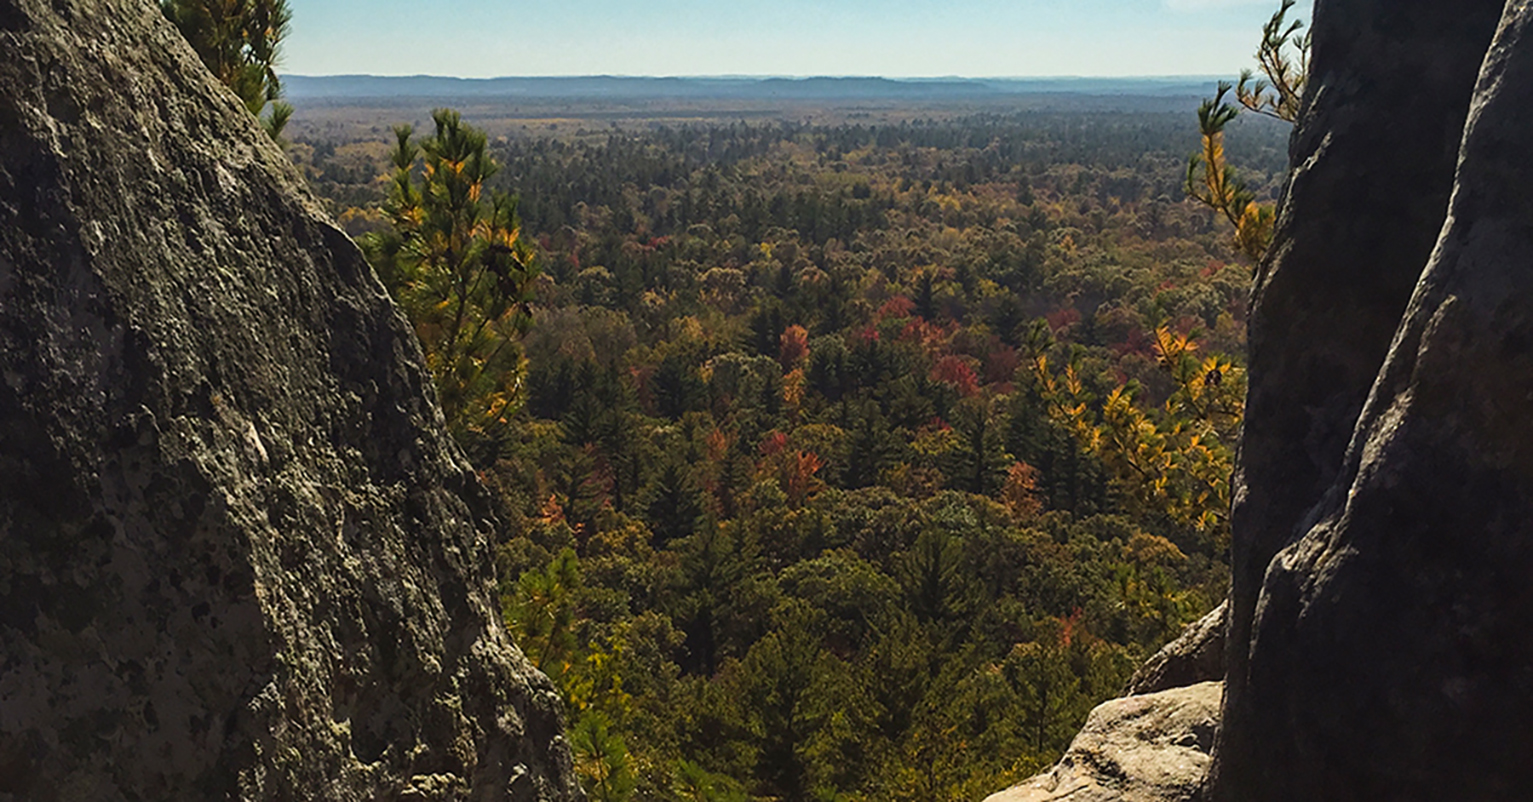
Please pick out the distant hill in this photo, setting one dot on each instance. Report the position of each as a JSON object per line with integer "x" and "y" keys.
{"x": 354, "y": 87}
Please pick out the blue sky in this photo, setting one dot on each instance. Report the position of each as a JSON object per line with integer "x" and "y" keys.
{"x": 894, "y": 38}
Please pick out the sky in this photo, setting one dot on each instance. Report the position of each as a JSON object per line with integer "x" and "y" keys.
{"x": 890, "y": 38}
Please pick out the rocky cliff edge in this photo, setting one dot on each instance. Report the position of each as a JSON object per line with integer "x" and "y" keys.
{"x": 239, "y": 556}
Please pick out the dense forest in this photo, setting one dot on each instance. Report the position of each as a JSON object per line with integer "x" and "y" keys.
{"x": 836, "y": 462}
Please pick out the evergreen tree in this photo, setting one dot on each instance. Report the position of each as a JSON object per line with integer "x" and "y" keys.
{"x": 980, "y": 462}
{"x": 1281, "y": 90}
{"x": 1212, "y": 182}
{"x": 678, "y": 389}
{"x": 456, "y": 261}
{"x": 601, "y": 760}
{"x": 674, "y": 508}
{"x": 542, "y": 613}
{"x": 240, "y": 41}
{"x": 873, "y": 446}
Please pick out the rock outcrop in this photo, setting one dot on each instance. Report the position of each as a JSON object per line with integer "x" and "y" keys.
{"x": 1151, "y": 748}
{"x": 1390, "y": 655}
{"x": 1373, "y": 159}
{"x": 1377, "y": 643}
{"x": 1196, "y": 656}
{"x": 239, "y": 556}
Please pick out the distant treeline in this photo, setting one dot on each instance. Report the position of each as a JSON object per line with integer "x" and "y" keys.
{"x": 555, "y": 175}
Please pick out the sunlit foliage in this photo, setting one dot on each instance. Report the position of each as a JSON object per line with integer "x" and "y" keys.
{"x": 240, "y": 41}
{"x": 859, "y": 462}
{"x": 456, "y": 262}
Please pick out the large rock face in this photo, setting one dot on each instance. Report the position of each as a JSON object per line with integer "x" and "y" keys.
{"x": 1390, "y": 655}
{"x": 1378, "y": 637}
{"x": 239, "y": 557}
{"x": 1373, "y": 159}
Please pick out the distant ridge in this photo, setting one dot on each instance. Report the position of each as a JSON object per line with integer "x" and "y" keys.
{"x": 354, "y": 87}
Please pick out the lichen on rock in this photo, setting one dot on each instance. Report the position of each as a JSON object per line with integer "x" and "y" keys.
{"x": 239, "y": 556}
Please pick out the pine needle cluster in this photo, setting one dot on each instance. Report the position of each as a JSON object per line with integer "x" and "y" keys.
{"x": 240, "y": 41}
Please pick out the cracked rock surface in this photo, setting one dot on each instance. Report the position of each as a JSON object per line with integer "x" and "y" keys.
{"x": 240, "y": 557}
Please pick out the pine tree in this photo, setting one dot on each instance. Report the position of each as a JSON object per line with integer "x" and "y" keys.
{"x": 1277, "y": 94}
{"x": 675, "y": 506}
{"x": 1212, "y": 182}
{"x": 601, "y": 760}
{"x": 980, "y": 462}
{"x": 240, "y": 41}
{"x": 541, "y": 613}
{"x": 1280, "y": 92}
{"x": 458, "y": 265}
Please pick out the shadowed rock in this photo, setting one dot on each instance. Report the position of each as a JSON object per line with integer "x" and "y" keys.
{"x": 1390, "y": 656}
{"x": 239, "y": 557}
{"x": 1377, "y": 644}
{"x": 1373, "y": 157}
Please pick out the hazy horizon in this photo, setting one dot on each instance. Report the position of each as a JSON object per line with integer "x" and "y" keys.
{"x": 759, "y": 76}
{"x": 896, "y": 39}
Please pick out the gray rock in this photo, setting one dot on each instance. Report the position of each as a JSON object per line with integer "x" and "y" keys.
{"x": 1197, "y": 655}
{"x": 1374, "y": 156}
{"x": 1150, "y": 748}
{"x": 1390, "y": 656}
{"x": 239, "y": 557}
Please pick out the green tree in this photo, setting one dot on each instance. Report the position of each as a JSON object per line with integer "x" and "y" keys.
{"x": 1049, "y": 687}
{"x": 541, "y": 614}
{"x": 693, "y": 783}
{"x": 601, "y": 760}
{"x": 457, "y": 263}
{"x": 240, "y": 41}
{"x": 675, "y": 507}
{"x": 872, "y": 447}
{"x": 978, "y": 465}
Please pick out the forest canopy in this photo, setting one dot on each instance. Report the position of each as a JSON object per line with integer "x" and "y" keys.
{"x": 855, "y": 461}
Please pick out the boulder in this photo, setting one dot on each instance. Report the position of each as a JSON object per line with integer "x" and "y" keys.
{"x": 1151, "y": 748}
{"x": 239, "y": 556}
{"x": 1196, "y": 656}
{"x": 1390, "y": 655}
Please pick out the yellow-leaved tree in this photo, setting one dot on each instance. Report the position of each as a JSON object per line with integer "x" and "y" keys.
{"x": 1174, "y": 460}
{"x": 1283, "y": 58}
